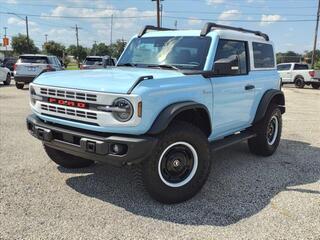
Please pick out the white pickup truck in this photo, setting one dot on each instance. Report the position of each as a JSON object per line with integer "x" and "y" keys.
{"x": 299, "y": 74}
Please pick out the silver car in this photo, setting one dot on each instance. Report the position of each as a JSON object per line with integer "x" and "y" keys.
{"x": 96, "y": 62}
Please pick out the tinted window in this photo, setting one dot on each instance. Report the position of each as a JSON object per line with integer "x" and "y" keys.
{"x": 229, "y": 48}
{"x": 301, "y": 67}
{"x": 181, "y": 52}
{"x": 284, "y": 67}
{"x": 93, "y": 61}
{"x": 33, "y": 59}
{"x": 263, "y": 55}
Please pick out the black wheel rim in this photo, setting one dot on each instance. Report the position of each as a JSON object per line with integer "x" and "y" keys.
{"x": 272, "y": 130}
{"x": 177, "y": 164}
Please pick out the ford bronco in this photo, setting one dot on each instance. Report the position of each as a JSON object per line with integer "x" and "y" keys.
{"x": 174, "y": 98}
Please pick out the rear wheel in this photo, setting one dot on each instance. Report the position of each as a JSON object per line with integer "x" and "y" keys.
{"x": 66, "y": 160}
{"x": 315, "y": 85}
{"x": 268, "y": 133}
{"x": 299, "y": 82}
{"x": 180, "y": 164}
{"x": 8, "y": 80}
{"x": 19, "y": 85}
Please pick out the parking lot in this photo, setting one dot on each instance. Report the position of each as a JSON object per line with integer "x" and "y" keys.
{"x": 245, "y": 197}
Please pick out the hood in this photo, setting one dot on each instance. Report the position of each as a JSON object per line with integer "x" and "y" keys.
{"x": 113, "y": 80}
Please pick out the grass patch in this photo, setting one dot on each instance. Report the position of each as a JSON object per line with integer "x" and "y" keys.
{"x": 72, "y": 66}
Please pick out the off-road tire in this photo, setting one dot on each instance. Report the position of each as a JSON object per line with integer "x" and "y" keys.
{"x": 19, "y": 85}
{"x": 315, "y": 85}
{"x": 66, "y": 160}
{"x": 260, "y": 145}
{"x": 299, "y": 82}
{"x": 177, "y": 132}
{"x": 8, "y": 80}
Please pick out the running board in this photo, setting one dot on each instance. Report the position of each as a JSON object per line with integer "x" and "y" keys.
{"x": 230, "y": 140}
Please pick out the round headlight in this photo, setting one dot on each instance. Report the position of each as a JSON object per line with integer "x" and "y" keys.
{"x": 124, "y": 110}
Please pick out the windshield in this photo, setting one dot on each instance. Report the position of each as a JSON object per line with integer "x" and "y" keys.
{"x": 93, "y": 61}
{"x": 180, "y": 52}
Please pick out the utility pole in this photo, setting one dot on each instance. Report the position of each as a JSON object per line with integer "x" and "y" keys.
{"x": 27, "y": 30}
{"x": 158, "y": 12}
{"x": 46, "y": 37}
{"x": 77, "y": 36}
{"x": 5, "y": 36}
{"x": 111, "y": 29}
{"x": 161, "y": 10}
{"x": 176, "y": 24}
{"x": 315, "y": 37}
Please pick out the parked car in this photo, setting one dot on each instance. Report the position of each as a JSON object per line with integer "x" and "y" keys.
{"x": 299, "y": 74}
{"x": 5, "y": 75}
{"x": 9, "y": 62}
{"x": 174, "y": 97}
{"x": 96, "y": 62}
{"x": 29, "y": 66}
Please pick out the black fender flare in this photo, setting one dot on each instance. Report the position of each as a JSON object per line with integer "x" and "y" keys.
{"x": 271, "y": 95}
{"x": 166, "y": 116}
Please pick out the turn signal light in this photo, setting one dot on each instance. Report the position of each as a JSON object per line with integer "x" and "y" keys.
{"x": 140, "y": 109}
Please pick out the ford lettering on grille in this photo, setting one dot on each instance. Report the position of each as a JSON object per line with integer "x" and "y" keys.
{"x": 67, "y": 103}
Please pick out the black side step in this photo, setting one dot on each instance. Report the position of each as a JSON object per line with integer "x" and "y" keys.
{"x": 233, "y": 139}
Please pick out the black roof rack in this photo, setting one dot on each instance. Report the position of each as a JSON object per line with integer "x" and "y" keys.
{"x": 208, "y": 26}
{"x": 149, "y": 27}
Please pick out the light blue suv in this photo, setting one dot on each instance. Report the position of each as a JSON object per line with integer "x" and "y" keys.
{"x": 173, "y": 99}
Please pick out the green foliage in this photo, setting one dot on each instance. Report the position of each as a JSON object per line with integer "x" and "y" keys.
{"x": 20, "y": 45}
{"x": 100, "y": 49}
{"x": 117, "y": 48}
{"x": 289, "y": 56}
{"x": 308, "y": 56}
{"x": 53, "y": 48}
{"x": 79, "y": 53}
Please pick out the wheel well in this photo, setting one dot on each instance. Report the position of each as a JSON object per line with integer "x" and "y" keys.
{"x": 298, "y": 76}
{"x": 197, "y": 117}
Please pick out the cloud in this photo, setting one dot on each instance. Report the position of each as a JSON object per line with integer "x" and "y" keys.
{"x": 269, "y": 19}
{"x": 215, "y": 2}
{"x": 19, "y": 22}
{"x": 229, "y": 15}
{"x": 194, "y": 21}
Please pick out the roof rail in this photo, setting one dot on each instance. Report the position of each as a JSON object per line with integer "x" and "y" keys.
{"x": 208, "y": 26}
{"x": 149, "y": 27}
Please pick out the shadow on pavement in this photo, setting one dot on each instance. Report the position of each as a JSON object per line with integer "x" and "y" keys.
{"x": 239, "y": 186}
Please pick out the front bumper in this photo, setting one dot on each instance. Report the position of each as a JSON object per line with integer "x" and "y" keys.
{"x": 92, "y": 145}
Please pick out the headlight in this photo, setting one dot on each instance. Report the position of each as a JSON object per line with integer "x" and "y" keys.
{"x": 33, "y": 96}
{"x": 124, "y": 110}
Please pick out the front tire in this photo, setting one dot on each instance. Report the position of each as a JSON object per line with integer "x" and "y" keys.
{"x": 315, "y": 85}
{"x": 268, "y": 133}
{"x": 8, "y": 80}
{"x": 180, "y": 165}
{"x": 66, "y": 160}
{"x": 19, "y": 85}
{"x": 299, "y": 82}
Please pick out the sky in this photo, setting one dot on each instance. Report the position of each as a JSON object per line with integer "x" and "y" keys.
{"x": 289, "y": 23}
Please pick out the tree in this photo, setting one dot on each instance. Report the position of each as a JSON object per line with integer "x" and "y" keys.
{"x": 54, "y": 48}
{"x": 289, "y": 56}
{"x": 20, "y": 45}
{"x": 100, "y": 49}
{"x": 79, "y": 53}
{"x": 308, "y": 56}
{"x": 117, "y": 48}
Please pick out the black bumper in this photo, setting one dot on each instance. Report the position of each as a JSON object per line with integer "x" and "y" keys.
{"x": 92, "y": 145}
{"x": 24, "y": 79}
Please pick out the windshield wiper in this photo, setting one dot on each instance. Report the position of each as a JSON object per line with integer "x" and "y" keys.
{"x": 127, "y": 65}
{"x": 165, "y": 66}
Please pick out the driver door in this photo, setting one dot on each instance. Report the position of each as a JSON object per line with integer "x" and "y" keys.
{"x": 233, "y": 94}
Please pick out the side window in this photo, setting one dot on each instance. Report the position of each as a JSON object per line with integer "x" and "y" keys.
{"x": 284, "y": 67}
{"x": 263, "y": 55}
{"x": 230, "y": 48}
{"x": 301, "y": 67}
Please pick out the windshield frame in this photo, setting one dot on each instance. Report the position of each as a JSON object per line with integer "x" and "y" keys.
{"x": 204, "y": 47}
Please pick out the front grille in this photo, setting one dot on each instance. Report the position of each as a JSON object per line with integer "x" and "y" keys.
{"x": 69, "y": 112}
{"x": 68, "y": 94}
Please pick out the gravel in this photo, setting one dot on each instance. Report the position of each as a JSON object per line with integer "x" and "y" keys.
{"x": 245, "y": 197}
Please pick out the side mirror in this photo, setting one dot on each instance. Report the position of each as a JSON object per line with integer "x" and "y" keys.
{"x": 227, "y": 66}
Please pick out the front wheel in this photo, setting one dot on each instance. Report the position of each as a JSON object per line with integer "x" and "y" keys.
{"x": 315, "y": 85}
{"x": 8, "y": 80}
{"x": 268, "y": 133}
{"x": 66, "y": 160}
{"x": 180, "y": 164}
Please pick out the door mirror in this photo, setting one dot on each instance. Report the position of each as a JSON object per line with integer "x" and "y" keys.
{"x": 227, "y": 66}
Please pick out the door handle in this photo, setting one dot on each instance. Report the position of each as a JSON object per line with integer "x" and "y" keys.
{"x": 249, "y": 87}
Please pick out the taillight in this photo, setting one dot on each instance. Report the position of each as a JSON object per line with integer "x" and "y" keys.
{"x": 312, "y": 73}
{"x": 49, "y": 67}
{"x": 81, "y": 67}
{"x": 14, "y": 67}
